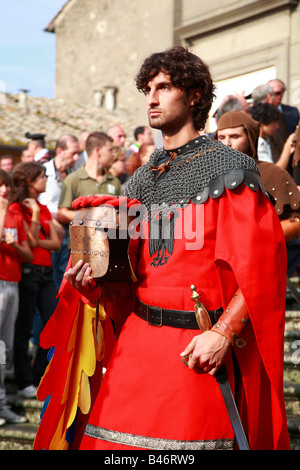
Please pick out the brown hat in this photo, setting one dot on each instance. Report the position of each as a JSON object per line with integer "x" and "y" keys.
{"x": 239, "y": 118}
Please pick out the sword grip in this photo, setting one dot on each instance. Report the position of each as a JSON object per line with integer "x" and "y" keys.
{"x": 221, "y": 375}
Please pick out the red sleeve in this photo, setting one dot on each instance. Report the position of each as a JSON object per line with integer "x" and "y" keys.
{"x": 21, "y": 231}
{"x": 46, "y": 212}
{"x": 45, "y": 216}
{"x": 17, "y": 216}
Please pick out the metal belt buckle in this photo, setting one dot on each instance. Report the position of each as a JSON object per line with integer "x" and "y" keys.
{"x": 149, "y": 320}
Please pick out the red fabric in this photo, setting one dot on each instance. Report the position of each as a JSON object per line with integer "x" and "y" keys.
{"x": 61, "y": 320}
{"x": 264, "y": 253}
{"x": 243, "y": 246}
{"x": 158, "y": 396}
{"x": 10, "y": 266}
{"x": 147, "y": 390}
{"x": 95, "y": 201}
{"x": 53, "y": 383}
{"x": 41, "y": 256}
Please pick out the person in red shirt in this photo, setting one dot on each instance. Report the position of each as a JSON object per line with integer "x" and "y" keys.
{"x": 14, "y": 248}
{"x": 37, "y": 288}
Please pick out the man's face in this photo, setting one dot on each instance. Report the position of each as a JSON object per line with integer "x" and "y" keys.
{"x": 118, "y": 136}
{"x": 70, "y": 155}
{"x": 147, "y": 138}
{"x": 168, "y": 106}
{"x": 236, "y": 138}
{"x": 32, "y": 147}
{"x": 269, "y": 129}
{"x": 278, "y": 92}
{"x": 27, "y": 156}
{"x": 106, "y": 155}
{"x": 7, "y": 164}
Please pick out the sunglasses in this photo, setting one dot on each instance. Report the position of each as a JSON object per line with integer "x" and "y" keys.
{"x": 277, "y": 93}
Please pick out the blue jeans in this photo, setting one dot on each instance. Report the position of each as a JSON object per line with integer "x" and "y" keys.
{"x": 9, "y": 299}
{"x": 60, "y": 260}
{"x": 37, "y": 291}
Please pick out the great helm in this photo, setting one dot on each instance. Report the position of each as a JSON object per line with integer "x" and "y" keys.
{"x": 99, "y": 235}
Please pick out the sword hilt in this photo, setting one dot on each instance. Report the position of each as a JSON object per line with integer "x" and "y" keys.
{"x": 202, "y": 316}
{"x": 195, "y": 296}
{"x": 203, "y": 321}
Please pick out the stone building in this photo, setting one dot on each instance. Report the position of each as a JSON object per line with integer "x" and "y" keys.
{"x": 101, "y": 44}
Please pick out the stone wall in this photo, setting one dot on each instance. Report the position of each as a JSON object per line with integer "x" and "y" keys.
{"x": 53, "y": 117}
{"x": 101, "y": 44}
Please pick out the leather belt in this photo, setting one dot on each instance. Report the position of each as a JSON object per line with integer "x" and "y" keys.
{"x": 157, "y": 316}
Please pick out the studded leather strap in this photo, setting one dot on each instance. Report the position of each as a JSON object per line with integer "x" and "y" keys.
{"x": 291, "y": 229}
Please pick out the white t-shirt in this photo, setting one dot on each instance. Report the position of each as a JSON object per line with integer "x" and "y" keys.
{"x": 264, "y": 152}
{"x": 51, "y": 196}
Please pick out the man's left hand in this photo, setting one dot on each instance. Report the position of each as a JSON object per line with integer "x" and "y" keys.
{"x": 207, "y": 351}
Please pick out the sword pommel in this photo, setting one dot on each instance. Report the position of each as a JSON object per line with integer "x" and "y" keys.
{"x": 195, "y": 296}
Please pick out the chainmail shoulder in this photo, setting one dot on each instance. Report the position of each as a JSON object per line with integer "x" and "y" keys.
{"x": 197, "y": 174}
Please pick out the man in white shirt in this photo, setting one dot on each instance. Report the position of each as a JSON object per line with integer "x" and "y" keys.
{"x": 268, "y": 116}
{"x": 66, "y": 154}
{"x": 82, "y": 159}
{"x": 143, "y": 136}
{"x": 290, "y": 113}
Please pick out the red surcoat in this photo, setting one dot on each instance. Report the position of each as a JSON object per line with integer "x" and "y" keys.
{"x": 148, "y": 397}
{"x": 147, "y": 391}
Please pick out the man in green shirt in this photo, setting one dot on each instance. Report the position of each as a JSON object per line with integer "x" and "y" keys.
{"x": 92, "y": 178}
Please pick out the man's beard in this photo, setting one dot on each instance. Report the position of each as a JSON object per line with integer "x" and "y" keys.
{"x": 172, "y": 123}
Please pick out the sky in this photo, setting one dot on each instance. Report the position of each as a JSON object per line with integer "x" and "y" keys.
{"x": 27, "y": 52}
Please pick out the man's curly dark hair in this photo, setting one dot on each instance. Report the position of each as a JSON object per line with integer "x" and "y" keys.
{"x": 264, "y": 113}
{"x": 186, "y": 70}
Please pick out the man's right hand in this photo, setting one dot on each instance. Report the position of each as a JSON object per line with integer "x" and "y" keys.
{"x": 80, "y": 277}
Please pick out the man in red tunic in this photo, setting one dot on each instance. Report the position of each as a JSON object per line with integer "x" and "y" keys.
{"x": 208, "y": 222}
